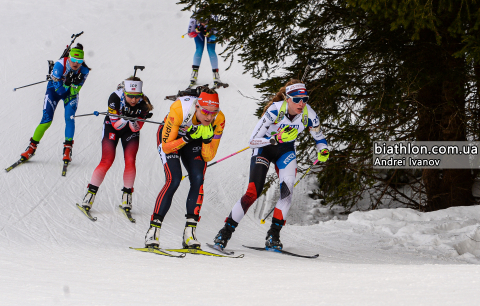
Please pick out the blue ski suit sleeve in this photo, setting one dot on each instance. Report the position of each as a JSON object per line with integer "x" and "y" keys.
{"x": 57, "y": 78}
{"x": 66, "y": 92}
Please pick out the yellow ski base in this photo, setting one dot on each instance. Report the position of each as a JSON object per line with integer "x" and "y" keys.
{"x": 157, "y": 251}
{"x": 201, "y": 252}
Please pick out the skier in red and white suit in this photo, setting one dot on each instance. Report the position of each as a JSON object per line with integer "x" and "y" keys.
{"x": 129, "y": 101}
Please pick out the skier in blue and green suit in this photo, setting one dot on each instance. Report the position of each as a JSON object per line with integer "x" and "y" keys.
{"x": 66, "y": 80}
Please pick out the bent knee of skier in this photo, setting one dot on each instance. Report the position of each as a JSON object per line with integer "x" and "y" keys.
{"x": 249, "y": 197}
{"x": 196, "y": 179}
{"x": 173, "y": 181}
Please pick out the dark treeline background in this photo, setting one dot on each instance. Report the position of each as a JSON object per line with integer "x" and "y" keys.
{"x": 387, "y": 70}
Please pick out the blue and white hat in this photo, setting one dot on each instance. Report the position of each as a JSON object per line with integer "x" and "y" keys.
{"x": 297, "y": 89}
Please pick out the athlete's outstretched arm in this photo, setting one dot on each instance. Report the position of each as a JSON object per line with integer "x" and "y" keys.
{"x": 315, "y": 130}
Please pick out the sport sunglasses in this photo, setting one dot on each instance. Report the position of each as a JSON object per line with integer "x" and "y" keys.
{"x": 133, "y": 96}
{"x": 207, "y": 112}
{"x": 297, "y": 100}
{"x": 76, "y": 60}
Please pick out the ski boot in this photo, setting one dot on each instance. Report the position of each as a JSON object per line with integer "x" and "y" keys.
{"x": 273, "y": 235}
{"x": 89, "y": 197}
{"x": 225, "y": 233}
{"x": 30, "y": 150}
{"x": 189, "y": 234}
{"x": 194, "y": 76}
{"x": 216, "y": 78}
{"x": 127, "y": 199}
{"x": 153, "y": 233}
{"x": 67, "y": 151}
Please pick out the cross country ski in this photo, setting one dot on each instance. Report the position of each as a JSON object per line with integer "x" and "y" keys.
{"x": 158, "y": 252}
{"x": 281, "y": 252}
{"x": 201, "y": 252}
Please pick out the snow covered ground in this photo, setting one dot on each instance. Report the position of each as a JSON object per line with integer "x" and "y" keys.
{"x": 52, "y": 255}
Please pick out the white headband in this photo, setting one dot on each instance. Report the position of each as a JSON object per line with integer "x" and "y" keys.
{"x": 133, "y": 86}
{"x": 295, "y": 87}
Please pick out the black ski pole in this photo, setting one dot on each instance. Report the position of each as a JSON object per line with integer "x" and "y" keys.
{"x": 15, "y": 89}
{"x": 114, "y": 115}
{"x": 94, "y": 113}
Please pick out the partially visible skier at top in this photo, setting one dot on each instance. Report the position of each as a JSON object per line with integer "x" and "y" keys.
{"x": 202, "y": 33}
{"x": 273, "y": 141}
{"x": 68, "y": 76}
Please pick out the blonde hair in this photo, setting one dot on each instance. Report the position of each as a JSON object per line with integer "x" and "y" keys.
{"x": 280, "y": 95}
{"x": 145, "y": 98}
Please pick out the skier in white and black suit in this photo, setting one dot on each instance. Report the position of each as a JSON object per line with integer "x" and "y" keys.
{"x": 273, "y": 141}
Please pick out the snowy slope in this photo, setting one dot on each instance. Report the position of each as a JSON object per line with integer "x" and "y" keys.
{"x": 52, "y": 255}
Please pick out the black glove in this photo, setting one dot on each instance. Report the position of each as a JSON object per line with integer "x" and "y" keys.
{"x": 77, "y": 78}
{"x": 149, "y": 115}
{"x": 201, "y": 29}
{"x": 69, "y": 78}
{"x": 129, "y": 111}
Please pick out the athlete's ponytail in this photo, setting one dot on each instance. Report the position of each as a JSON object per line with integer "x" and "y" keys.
{"x": 280, "y": 94}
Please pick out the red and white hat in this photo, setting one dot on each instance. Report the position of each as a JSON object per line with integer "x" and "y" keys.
{"x": 206, "y": 99}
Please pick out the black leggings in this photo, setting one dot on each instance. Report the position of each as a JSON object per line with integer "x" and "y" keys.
{"x": 191, "y": 155}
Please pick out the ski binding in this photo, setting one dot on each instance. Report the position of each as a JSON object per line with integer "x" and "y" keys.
{"x": 86, "y": 212}
{"x": 64, "y": 170}
{"x": 127, "y": 213}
